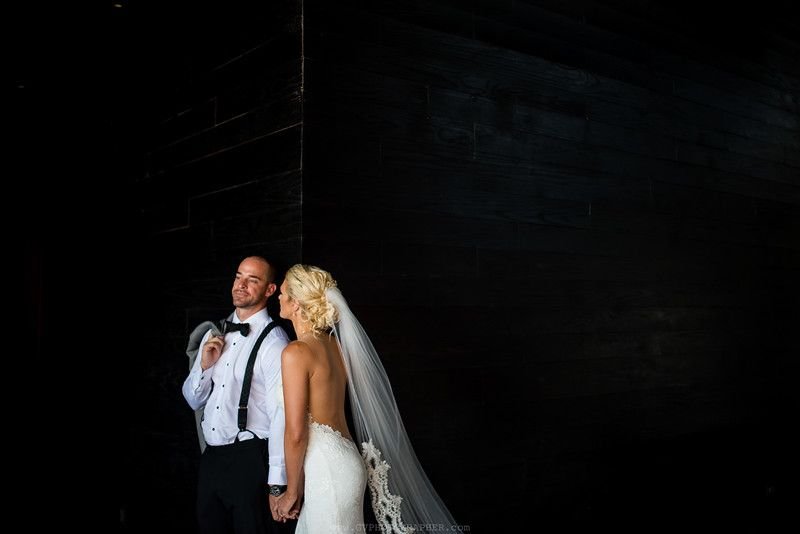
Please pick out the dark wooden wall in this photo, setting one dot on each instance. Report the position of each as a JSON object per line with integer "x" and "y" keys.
{"x": 211, "y": 120}
{"x": 573, "y": 230}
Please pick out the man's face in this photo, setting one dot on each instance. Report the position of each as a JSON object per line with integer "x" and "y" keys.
{"x": 250, "y": 287}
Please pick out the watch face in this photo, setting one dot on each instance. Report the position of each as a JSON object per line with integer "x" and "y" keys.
{"x": 275, "y": 491}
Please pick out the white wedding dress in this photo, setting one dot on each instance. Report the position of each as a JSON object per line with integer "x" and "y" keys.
{"x": 336, "y": 474}
{"x": 335, "y": 478}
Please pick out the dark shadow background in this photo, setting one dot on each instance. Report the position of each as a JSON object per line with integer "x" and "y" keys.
{"x": 572, "y": 229}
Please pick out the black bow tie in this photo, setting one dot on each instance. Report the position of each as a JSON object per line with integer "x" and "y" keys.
{"x": 230, "y": 326}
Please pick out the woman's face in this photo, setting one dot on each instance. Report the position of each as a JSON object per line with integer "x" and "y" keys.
{"x": 286, "y": 303}
{"x": 282, "y": 298}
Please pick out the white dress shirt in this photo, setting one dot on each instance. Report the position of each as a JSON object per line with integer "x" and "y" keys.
{"x": 265, "y": 416}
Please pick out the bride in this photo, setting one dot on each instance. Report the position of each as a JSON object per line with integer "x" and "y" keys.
{"x": 326, "y": 472}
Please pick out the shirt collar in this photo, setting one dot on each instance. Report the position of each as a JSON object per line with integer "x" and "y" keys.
{"x": 256, "y": 321}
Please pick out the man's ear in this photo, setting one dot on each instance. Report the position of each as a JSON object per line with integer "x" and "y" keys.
{"x": 271, "y": 288}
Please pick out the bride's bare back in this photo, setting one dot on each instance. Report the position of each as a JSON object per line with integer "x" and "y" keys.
{"x": 327, "y": 383}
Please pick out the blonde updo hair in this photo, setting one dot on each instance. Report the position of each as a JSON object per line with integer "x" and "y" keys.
{"x": 306, "y": 285}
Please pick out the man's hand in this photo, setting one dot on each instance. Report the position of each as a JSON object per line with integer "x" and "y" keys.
{"x": 212, "y": 350}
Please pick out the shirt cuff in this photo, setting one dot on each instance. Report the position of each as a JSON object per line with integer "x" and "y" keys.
{"x": 202, "y": 379}
{"x": 277, "y": 472}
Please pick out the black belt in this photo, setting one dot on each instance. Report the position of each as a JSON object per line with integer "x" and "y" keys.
{"x": 236, "y": 446}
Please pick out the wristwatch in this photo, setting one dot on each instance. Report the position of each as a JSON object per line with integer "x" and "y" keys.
{"x": 276, "y": 490}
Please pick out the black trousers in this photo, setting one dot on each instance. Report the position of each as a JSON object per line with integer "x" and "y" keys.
{"x": 232, "y": 490}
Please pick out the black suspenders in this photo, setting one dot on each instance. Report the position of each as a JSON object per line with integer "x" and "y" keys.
{"x": 248, "y": 378}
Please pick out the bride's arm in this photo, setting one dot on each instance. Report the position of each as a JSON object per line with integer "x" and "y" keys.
{"x": 295, "y": 370}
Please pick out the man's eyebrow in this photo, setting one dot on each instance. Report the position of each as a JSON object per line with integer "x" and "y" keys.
{"x": 239, "y": 273}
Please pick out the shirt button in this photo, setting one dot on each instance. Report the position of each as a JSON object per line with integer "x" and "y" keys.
{"x": 212, "y": 428}
{"x": 217, "y": 407}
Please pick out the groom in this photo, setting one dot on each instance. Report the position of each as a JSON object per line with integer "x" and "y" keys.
{"x": 237, "y": 488}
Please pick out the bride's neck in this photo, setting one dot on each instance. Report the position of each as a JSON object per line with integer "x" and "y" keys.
{"x": 301, "y": 327}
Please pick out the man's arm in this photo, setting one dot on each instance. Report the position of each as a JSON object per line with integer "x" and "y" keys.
{"x": 275, "y": 343}
{"x": 197, "y": 386}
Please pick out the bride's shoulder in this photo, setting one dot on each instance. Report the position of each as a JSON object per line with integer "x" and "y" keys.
{"x": 298, "y": 356}
{"x": 296, "y": 351}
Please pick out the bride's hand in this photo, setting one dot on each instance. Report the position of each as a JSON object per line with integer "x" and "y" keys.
{"x": 288, "y": 506}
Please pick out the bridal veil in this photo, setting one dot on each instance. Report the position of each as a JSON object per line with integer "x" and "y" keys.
{"x": 403, "y": 498}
